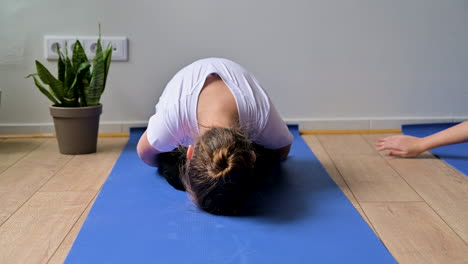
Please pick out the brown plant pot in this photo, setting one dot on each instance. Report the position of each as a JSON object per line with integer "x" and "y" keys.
{"x": 76, "y": 128}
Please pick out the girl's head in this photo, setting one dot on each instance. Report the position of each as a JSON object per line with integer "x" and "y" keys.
{"x": 219, "y": 173}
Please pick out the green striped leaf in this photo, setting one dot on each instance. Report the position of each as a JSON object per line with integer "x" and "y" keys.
{"x": 83, "y": 92}
{"x": 97, "y": 79}
{"x": 107, "y": 61}
{"x": 61, "y": 66}
{"x": 47, "y": 78}
{"x": 43, "y": 90}
{"x": 79, "y": 55}
{"x": 71, "y": 102}
{"x": 69, "y": 75}
{"x": 74, "y": 91}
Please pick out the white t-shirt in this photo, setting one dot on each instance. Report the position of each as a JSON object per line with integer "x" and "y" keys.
{"x": 175, "y": 121}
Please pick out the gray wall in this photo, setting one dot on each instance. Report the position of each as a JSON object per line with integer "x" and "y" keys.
{"x": 326, "y": 63}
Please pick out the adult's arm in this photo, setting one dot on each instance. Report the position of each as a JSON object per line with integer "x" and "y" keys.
{"x": 408, "y": 146}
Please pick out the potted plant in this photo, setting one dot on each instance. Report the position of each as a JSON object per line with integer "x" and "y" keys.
{"x": 75, "y": 95}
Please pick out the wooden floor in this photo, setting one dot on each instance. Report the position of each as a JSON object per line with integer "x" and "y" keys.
{"x": 417, "y": 207}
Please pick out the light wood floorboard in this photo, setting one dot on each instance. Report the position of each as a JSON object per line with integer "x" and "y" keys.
{"x": 371, "y": 179}
{"x": 33, "y": 233}
{"x": 417, "y": 207}
{"x": 442, "y": 187}
{"x": 345, "y": 145}
{"x": 20, "y": 181}
{"x": 64, "y": 198}
{"x": 61, "y": 253}
{"x": 87, "y": 172}
{"x": 12, "y": 150}
{"x": 368, "y": 176}
{"x": 414, "y": 233}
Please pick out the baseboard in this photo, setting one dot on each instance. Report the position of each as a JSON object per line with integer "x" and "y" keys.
{"x": 349, "y": 131}
{"x": 378, "y": 125}
{"x": 360, "y": 125}
{"x": 47, "y": 129}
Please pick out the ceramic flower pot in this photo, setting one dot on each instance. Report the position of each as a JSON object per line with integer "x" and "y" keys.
{"x": 76, "y": 128}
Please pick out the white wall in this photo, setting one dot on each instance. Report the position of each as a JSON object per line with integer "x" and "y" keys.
{"x": 325, "y": 63}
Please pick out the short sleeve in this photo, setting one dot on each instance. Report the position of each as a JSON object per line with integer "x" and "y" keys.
{"x": 159, "y": 134}
{"x": 276, "y": 134}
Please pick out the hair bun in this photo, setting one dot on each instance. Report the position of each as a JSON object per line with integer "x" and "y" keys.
{"x": 222, "y": 163}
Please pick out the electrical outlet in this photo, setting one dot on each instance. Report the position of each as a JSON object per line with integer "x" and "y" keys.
{"x": 52, "y": 43}
{"x": 119, "y": 47}
{"x": 89, "y": 43}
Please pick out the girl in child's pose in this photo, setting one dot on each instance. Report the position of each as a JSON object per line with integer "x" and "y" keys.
{"x": 225, "y": 124}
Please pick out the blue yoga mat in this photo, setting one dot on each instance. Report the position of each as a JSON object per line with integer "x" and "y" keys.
{"x": 302, "y": 217}
{"x": 456, "y": 155}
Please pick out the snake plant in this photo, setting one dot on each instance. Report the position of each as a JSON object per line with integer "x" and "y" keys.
{"x": 78, "y": 83}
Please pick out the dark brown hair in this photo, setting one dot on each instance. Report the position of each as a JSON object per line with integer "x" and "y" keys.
{"x": 220, "y": 175}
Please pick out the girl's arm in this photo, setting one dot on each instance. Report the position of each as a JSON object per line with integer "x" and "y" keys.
{"x": 408, "y": 146}
{"x": 283, "y": 152}
{"x": 146, "y": 152}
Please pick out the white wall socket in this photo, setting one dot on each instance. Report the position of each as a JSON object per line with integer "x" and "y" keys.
{"x": 119, "y": 46}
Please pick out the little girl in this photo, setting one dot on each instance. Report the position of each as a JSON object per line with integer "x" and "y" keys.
{"x": 225, "y": 124}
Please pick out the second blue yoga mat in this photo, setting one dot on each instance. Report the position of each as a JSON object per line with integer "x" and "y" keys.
{"x": 303, "y": 217}
{"x": 456, "y": 155}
